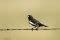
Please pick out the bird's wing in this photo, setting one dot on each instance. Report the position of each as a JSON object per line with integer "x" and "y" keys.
{"x": 31, "y": 23}
{"x": 36, "y": 21}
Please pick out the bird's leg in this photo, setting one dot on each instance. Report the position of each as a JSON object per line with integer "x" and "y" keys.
{"x": 37, "y": 28}
{"x": 32, "y": 29}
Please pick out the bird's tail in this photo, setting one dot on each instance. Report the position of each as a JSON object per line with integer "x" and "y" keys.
{"x": 45, "y": 26}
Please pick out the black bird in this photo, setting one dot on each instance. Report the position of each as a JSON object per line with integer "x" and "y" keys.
{"x": 35, "y": 22}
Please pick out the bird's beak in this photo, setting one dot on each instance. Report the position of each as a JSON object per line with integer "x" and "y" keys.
{"x": 27, "y": 16}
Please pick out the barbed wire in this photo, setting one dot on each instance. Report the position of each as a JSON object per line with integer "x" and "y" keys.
{"x": 32, "y": 29}
{"x": 7, "y": 28}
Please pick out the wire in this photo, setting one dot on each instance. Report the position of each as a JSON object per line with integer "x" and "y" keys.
{"x": 32, "y": 29}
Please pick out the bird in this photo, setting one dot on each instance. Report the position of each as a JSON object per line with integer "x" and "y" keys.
{"x": 34, "y": 22}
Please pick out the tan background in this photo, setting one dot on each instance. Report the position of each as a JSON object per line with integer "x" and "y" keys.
{"x": 13, "y": 14}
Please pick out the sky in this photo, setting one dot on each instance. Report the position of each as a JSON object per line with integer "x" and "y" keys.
{"x": 13, "y": 14}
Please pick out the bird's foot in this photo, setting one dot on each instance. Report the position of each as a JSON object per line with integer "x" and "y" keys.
{"x": 36, "y": 28}
{"x": 32, "y": 29}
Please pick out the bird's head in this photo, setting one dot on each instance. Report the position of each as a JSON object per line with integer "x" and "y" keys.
{"x": 30, "y": 17}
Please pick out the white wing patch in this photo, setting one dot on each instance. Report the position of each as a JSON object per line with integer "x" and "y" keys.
{"x": 31, "y": 23}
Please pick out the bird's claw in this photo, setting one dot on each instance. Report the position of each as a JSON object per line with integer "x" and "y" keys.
{"x": 32, "y": 29}
{"x": 36, "y": 28}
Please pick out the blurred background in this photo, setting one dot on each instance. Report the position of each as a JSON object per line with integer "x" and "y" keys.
{"x": 13, "y": 15}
